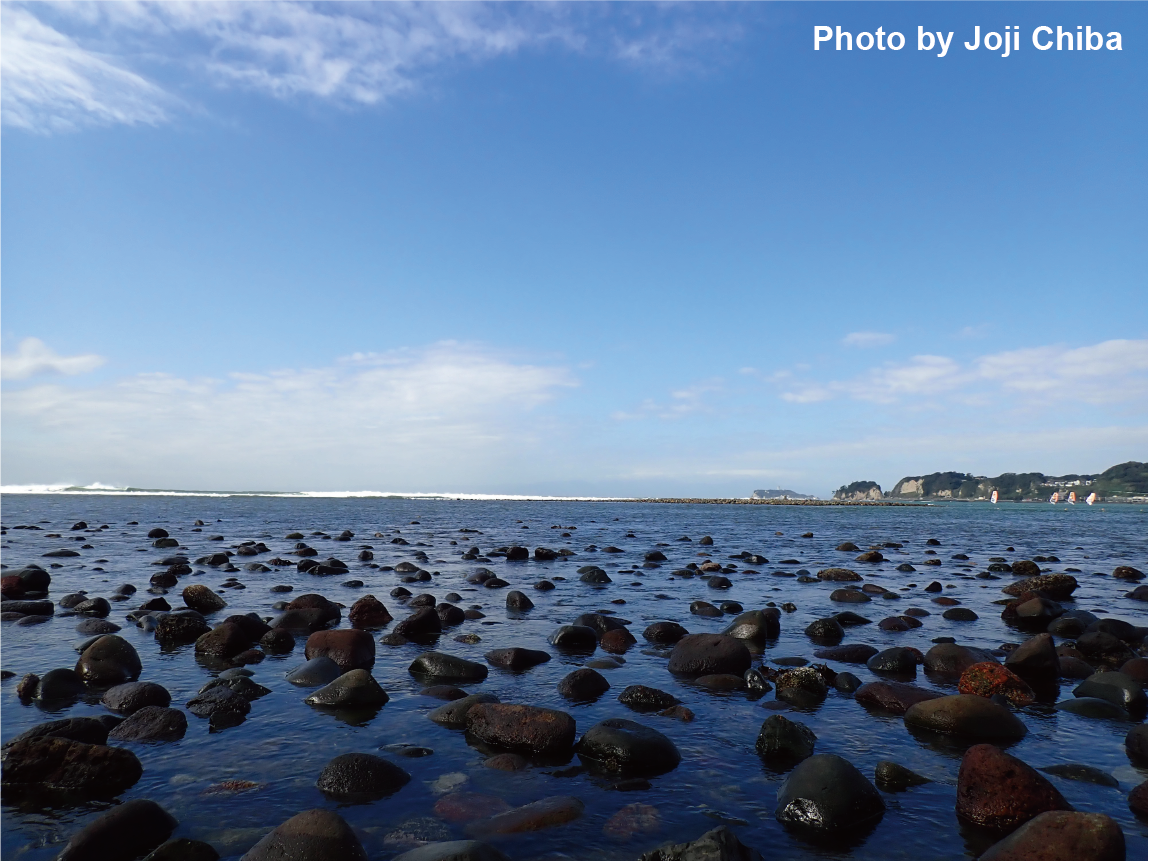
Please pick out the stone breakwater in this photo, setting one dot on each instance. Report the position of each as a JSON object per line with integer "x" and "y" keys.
{"x": 752, "y": 501}
{"x": 432, "y": 689}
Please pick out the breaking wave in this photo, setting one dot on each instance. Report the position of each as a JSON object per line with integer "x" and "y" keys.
{"x": 100, "y": 489}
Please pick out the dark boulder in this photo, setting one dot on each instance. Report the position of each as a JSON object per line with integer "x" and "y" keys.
{"x": 967, "y": 716}
{"x": 368, "y": 613}
{"x": 223, "y": 641}
{"x": 109, "y": 661}
{"x": 576, "y": 638}
{"x": 314, "y": 834}
{"x": 317, "y": 671}
{"x": 893, "y": 777}
{"x": 454, "y": 713}
{"x": 49, "y": 764}
{"x": 81, "y": 729}
{"x": 757, "y": 626}
{"x": 896, "y": 661}
{"x": 896, "y": 697}
{"x": 642, "y": 698}
{"x": 584, "y": 684}
{"x": 133, "y": 696}
{"x": 719, "y": 843}
{"x": 827, "y": 796}
{"x": 351, "y": 649}
{"x": 625, "y": 747}
{"x": 356, "y": 688}
{"x": 827, "y": 631}
{"x": 516, "y": 658}
{"x": 1036, "y": 660}
{"x": 848, "y": 653}
{"x": 447, "y": 668}
{"x": 360, "y": 778}
{"x": 951, "y": 660}
{"x": 702, "y": 654}
{"x": 518, "y": 601}
{"x": 181, "y": 627}
{"x": 151, "y": 724}
{"x": 202, "y": 599}
{"x": 782, "y": 742}
{"x": 1117, "y": 688}
{"x": 127, "y": 831}
{"x": 221, "y": 706}
{"x": 423, "y": 624}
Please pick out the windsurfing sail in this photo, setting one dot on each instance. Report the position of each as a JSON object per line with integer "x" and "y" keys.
{"x": 1091, "y": 499}
{"x": 1072, "y": 497}
{"x": 993, "y": 497}
{"x": 1054, "y": 498}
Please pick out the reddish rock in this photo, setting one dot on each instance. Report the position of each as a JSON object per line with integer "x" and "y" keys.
{"x": 465, "y": 807}
{"x": 617, "y": 641}
{"x": 1062, "y": 835}
{"x": 1055, "y": 586}
{"x": 632, "y": 820}
{"x": 224, "y": 641}
{"x": 12, "y": 587}
{"x": 998, "y": 792}
{"x": 945, "y": 601}
{"x": 988, "y": 678}
{"x": 682, "y": 713}
{"x": 351, "y": 649}
{"x": 966, "y": 715}
{"x": 1071, "y": 667}
{"x": 1137, "y": 801}
{"x": 526, "y": 728}
{"x": 369, "y": 613}
{"x": 894, "y": 697}
{"x": 552, "y": 811}
{"x": 507, "y": 762}
{"x": 1136, "y": 669}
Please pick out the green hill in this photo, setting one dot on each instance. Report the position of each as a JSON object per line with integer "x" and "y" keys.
{"x": 1130, "y": 479}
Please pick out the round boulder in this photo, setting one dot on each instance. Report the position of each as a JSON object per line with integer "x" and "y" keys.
{"x": 827, "y": 796}
{"x": 998, "y": 792}
{"x": 626, "y": 747}
{"x": 702, "y": 654}
{"x": 360, "y": 778}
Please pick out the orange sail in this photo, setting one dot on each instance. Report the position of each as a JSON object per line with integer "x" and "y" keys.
{"x": 1054, "y": 498}
{"x": 993, "y": 497}
{"x": 1072, "y": 497}
{"x": 1091, "y": 499}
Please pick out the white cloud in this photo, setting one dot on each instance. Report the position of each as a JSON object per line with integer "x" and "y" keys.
{"x": 33, "y": 357}
{"x": 683, "y": 402}
{"x": 981, "y": 330}
{"x": 68, "y": 65}
{"x": 410, "y": 414}
{"x": 1112, "y": 371}
{"x": 867, "y": 339}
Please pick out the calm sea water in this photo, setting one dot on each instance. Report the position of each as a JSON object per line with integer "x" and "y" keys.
{"x": 284, "y": 743}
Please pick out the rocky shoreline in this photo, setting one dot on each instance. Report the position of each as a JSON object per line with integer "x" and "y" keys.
{"x": 626, "y": 704}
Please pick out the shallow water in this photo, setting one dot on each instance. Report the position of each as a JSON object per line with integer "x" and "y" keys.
{"x": 284, "y": 743}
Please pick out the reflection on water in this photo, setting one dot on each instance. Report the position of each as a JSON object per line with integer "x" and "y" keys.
{"x": 230, "y": 787}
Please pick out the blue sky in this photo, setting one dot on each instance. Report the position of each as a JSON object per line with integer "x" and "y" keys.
{"x": 566, "y": 249}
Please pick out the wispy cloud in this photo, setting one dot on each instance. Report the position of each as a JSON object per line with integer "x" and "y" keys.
{"x": 682, "y": 402}
{"x": 868, "y": 339}
{"x": 34, "y": 358}
{"x": 1109, "y": 372}
{"x": 980, "y": 330}
{"x": 411, "y": 410}
{"x": 69, "y": 65}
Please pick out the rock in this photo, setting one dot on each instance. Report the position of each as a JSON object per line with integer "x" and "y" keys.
{"x": 826, "y": 631}
{"x": 1056, "y": 587}
{"x": 987, "y": 679}
{"x": 314, "y": 834}
{"x": 1036, "y": 660}
{"x": 721, "y": 681}
{"x": 350, "y": 649}
{"x": 58, "y": 686}
{"x": 131, "y": 697}
{"x": 826, "y": 796}
{"x": 964, "y": 615}
{"x": 631, "y": 820}
{"x": 360, "y": 778}
{"x": 838, "y": 574}
{"x": 704, "y": 609}
{"x": 1136, "y": 669}
{"x": 447, "y": 668}
{"x": 356, "y": 688}
{"x": 544, "y": 586}
{"x": 518, "y": 601}
{"x": 109, "y": 661}
{"x": 720, "y": 843}
{"x": 1117, "y": 688}
{"x": 998, "y": 792}
{"x": 1136, "y": 745}
{"x": 1093, "y": 707}
{"x": 757, "y": 626}
{"x": 127, "y": 831}
{"x": 595, "y": 575}
{"x": 1074, "y": 668}
{"x": 1128, "y": 573}
{"x": 848, "y": 653}
{"x": 1138, "y": 800}
{"x": 200, "y": 598}
{"x": 893, "y": 777}
{"x": 224, "y": 641}
{"x": 97, "y": 607}
{"x": 278, "y": 641}
{"x": 85, "y": 729}
{"x": 1062, "y": 835}
{"x": 425, "y": 623}
{"x": 893, "y": 697}
{"x": 643, "y": 698}
{"x": 181, "y": 627}
{"x": 617, "y": 641}
{"x": 523, "y": 728}
{"x": 784, "y": 742}
{"x": 221, "y": 706}
{"x": 869, "y": 557}
{"x": 465, "y": 807}
{"x": 583, "y": 684}
{"x": 949, "y": 659}
{"x": 454, "y": 713}
{"x": 601, "y": 623}
{"x": 968, "y": 716}
{"x": 516, "y": 658}
{"x": 28, "y": 607}
{"x": 664, "y": 633}
{"x": 33, "y": 579}
{"x": 450, "y": 850}
{"x": 318, "y": 671}
{"x": 183, "y": 849}
{"x": 368, "y": 613}
{"x": 552, "y": 811}
{"x": 449, "y": 615}
{"x": 850, "y": 595}
{"x": 702, "y": 654}
{"x": 96, "y": 627}
{"x": 1081, "y": 772}
{"x": 803, "y": 687}
{"x": 574, "y": 638}
{"x": 64, "y": 766}
{"x": 506, "y": 762}
{"x": 847, "y": 682}
{"x": 896, "y": 661}
{"x": 151, "y": 724}
{"x": 1102, "y": 648}
{"x": 443, "y": 692}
